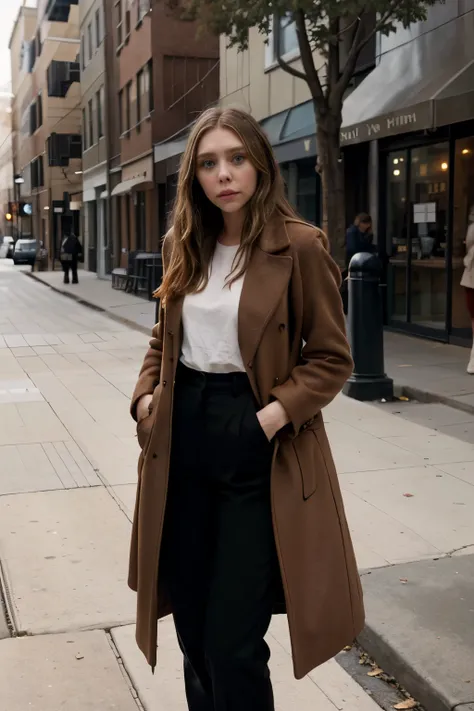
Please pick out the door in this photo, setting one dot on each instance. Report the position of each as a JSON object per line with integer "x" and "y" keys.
{"x": 101, "y": 243}
{"x": 417, "y": 238}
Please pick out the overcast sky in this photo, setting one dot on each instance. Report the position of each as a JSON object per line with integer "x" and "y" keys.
{"x": 8, "y": 13}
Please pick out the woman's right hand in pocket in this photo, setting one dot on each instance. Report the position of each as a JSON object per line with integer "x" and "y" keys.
{"x": 143, "y": 407}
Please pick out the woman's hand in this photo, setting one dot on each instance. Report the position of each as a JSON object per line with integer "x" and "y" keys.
{"x": 272, "y": 418}
{"x": 143, "y": 407}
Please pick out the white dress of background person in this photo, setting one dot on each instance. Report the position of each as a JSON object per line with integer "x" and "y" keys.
{"x": 467, "y": 280}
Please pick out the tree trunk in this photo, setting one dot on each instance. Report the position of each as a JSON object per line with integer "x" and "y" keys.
{"x": 331, "y": 168}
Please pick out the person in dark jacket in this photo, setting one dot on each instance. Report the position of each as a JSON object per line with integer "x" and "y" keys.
{"x": 359, "y": 236}
{"x": 71, "y": 250}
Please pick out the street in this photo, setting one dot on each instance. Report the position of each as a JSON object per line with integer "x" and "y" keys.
{"x": 68, "y": 455}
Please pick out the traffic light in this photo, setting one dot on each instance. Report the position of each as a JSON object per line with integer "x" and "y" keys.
{"x": 9, "y": 217}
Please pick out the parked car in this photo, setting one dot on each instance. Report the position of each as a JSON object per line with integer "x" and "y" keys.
{"x": 10, "y": 242}
{"x": 25, "y": 251}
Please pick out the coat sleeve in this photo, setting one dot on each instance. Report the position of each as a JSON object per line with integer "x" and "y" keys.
{"x": 149, "y": 375}
{"x": 325, "y": 362}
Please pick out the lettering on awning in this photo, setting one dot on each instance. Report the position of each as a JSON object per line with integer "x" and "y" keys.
{"x": 388, "y": 125}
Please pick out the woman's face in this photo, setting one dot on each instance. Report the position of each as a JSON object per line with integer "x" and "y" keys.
{"x": 224, "y": 170}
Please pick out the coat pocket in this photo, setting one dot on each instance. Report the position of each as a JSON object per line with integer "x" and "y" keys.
{"x": 310, "y": 461}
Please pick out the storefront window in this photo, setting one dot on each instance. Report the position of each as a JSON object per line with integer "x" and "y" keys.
{"x": 463, "y": 200}
{"x": 429, "y": 174}
{"x": 307, "y": 191}
{"x": 397, "y": 237}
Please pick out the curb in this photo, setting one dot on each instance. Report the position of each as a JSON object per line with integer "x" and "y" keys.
{"x": 421, "y": 686}
{"x": 428, "y": 397}
{"x": 78, "y": 299}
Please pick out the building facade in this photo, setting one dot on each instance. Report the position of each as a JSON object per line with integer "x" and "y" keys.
{"x": 94, "y": 130}
{"x": 415, "y": 112}
{"x": 7, "y": 196}
{"x": 46, "y": 116}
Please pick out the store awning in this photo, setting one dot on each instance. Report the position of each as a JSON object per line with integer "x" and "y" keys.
{"x": 128, "y": 185}
{"x": 403, "y": 92}
{"x": 292, "y": 133}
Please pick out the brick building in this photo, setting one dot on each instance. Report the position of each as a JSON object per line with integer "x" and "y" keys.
{"x": 46, "y": 120}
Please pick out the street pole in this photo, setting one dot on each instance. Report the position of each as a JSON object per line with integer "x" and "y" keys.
{"x": 368, "y": 381}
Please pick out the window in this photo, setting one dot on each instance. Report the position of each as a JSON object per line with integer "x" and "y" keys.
{"x": 151, "y": 100}
{"x": 98, "y": 28}
{"x": 283, "y": 38}
{"x": 84, "y": 130}
{"x": 91, "y": 124}
{"x": 83, "y": 52}
{"x": 89, "y": 39}
{"x": 100, "y": 112}
{"x": 140, "y": 92}
{"x": 128, "y": 94}
{"x": 119, "y": 22}
{"x": 121, "y": 110}
{"x": 39, "y": 110}
{"x": 143, "y": 6}
{"x": 127, "y": 24}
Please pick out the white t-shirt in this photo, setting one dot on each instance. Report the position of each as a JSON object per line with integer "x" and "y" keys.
{"x": 210, "y": 320}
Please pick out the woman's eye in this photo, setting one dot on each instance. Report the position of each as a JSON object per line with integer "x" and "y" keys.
{"x": 207, "y": 164}
{"x": 238, "y": 159}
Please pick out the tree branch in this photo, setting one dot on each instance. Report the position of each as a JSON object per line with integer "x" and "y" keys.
{"x": 358, "y": 45}
{"x": 333, "y": 68}
{"x": 288, "y": 68}
{"x": 312, "y": 76}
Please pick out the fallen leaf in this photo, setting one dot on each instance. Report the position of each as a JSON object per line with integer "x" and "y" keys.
{"x": 347, "y": 649}
{"x": 409, "y": 496}
{"x": 404, "y": 580}
{"x": 403, "y": 398}
{"x": 375, "y": 672}
{"x": 408, "y": 704}
{"x": 79, "y": 656}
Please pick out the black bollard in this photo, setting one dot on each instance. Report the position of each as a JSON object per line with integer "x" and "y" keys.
{"x": 365, "y": 325}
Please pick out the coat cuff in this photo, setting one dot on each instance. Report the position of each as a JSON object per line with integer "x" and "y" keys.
{"x": 288, "y": 397}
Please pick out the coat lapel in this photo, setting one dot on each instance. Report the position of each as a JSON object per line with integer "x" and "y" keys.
{"x": 265, "y": 282}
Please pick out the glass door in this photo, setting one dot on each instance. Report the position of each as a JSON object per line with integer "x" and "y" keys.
{"x": 429, "y": 204}
{"x": 397, "y": 234}
{"x": 463, "y": 203}
{"x": 417, "y": 238}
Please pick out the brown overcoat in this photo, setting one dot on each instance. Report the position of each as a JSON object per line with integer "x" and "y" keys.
{"x": 291, "y": 335}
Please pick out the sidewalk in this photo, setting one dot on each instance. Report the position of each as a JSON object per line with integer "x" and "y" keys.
{"x": 425, "y": 370}
{"x": 67, "y": 486}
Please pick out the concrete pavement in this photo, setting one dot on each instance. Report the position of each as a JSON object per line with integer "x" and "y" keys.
{"x": 68, "y": 455}
{"x": 67, "y": 481}
{"x": 424, "y": 370}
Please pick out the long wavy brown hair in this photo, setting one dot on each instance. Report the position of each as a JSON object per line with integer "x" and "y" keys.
{"x": 197, "y": 223}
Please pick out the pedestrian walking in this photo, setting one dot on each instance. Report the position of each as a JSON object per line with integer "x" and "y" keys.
{"x": 467, "y": 280}
{"x": 359, "y": 236}
{"x": 239, "y": 512}
{"x": 71, "y": 251}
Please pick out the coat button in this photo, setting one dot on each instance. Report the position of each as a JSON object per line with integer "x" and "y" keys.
{"x": 164, "y": 383}
{"x": 154, "y": 455}
{"x": 276, "y": 381}
{"x": 282, "y": 326}
{"x": 170, "y": 333}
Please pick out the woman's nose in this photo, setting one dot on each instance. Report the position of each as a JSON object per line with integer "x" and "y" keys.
{"x": 224, "y": 173}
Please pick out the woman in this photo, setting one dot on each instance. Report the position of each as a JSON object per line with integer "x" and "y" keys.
{"x": 228, "y": 403}
{"x": 359, "y": 236}
{"x": 467, "y": 280}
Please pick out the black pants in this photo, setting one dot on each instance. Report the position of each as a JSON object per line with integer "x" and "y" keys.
{"x": 70, "y": 266}
{"x": 219, "y": 560}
